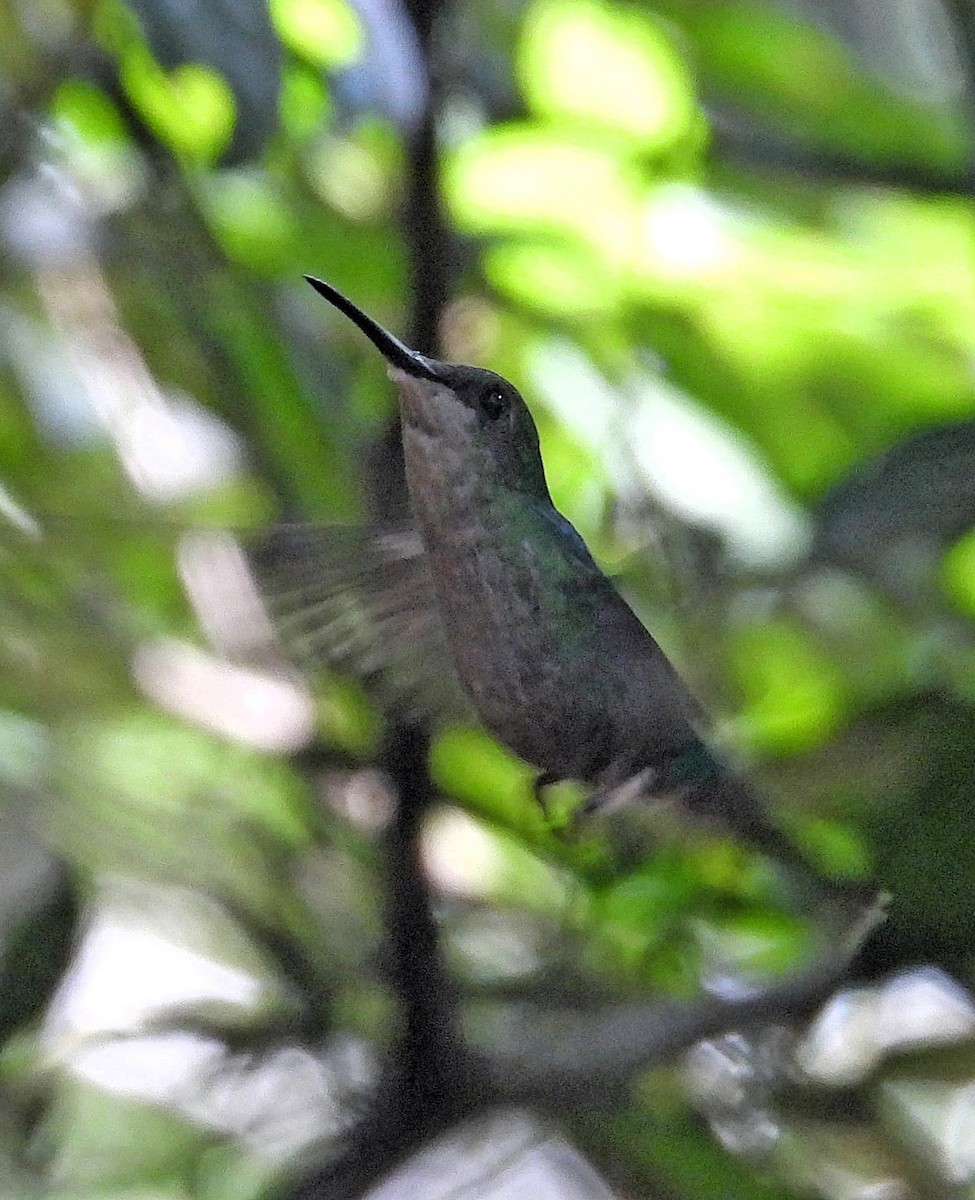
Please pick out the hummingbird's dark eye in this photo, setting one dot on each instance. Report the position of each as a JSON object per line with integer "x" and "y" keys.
{"x": 493, "y": 403}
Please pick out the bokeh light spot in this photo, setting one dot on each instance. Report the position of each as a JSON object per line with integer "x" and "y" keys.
{"x": 585, "y": 61}
{"x": 326, "y": 32}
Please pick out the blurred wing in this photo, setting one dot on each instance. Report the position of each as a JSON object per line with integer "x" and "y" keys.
{"x": 362, "y": 600}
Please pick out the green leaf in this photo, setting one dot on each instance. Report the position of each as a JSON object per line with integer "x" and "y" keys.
{"x": 804, "y": 79}
{"x": 326, "y": 32}
{"x": 191, "y": 108}
{"x": 558, "y": 279}
{"x": 793, "y": 693}
{"x": 583, "y": 61}
{"x": 520, "y": 179}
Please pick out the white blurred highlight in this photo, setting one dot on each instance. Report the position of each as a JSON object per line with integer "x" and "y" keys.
{"x": 276, "y": 1103}
{"x": 155, "y": 954}
{"x": 11, "y": 511}
{"x": 500, "y": 1156}
{"x": 707, "y": 473}
{"x": 461, "y": 857}
{"x": 855, "y": 1030}
{"x": 686, "y": 233}
{"x": 169, "y": 446}
{"x": 221, "y": 589}
{"x": 135, "y": 963}
{"x": 697, "y": 464}
{"x": 271, "y": 712}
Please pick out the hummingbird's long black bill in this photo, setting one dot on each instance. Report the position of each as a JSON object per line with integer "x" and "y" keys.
{"x": 391, "y": 348}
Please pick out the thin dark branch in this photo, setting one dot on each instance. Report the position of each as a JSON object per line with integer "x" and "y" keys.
{"x": 744, "y": 143}
{"x": 425, "y": 1086}
{"x": 427, "y": 1054}
{"x": 427, "y": 234}
{"x": 429, "y": 255}
{"x": 961, "y": 13}
{"x": 428, "y": 1057}
{"x": 555, "y": 1061}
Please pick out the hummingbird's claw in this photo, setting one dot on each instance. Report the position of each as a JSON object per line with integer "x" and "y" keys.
{"x": 621, "y": 795}
{"x": 542, "y": 781}
{"x": 557, "y": 824}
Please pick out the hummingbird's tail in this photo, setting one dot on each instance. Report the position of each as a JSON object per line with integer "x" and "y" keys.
{"x": 714, "y": 792}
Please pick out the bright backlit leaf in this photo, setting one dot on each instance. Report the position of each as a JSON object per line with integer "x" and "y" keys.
{"x": 305, "y": 103}
{"x": 251, "y": 219}
{"x": 836, "y": 846}
{"x": 470, "y": 765}
{"x": 519, "y": 179}
{"x": 88, "y": 111}
{"x": 638, "y": 913}
{"x": 190, "y": 108}
{"x": 326, "y": 32}
{"x": 794, "y": 71}
{"x": 585, "y": 61}
{"x": 754, "y": 943}
{"x": 552, "y": 277}
{"x": 958, "y": 574}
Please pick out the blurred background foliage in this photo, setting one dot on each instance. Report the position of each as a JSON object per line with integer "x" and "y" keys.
{"x": 726, "y": 248}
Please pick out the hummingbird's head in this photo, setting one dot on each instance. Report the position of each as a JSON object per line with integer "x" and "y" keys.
{"x": 470, "y": 416}
{"x": 477, "y": 420}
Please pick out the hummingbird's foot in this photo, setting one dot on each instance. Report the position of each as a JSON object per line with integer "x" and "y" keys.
{"x": 559, "y": 824}
{"x": 542, "y": 781}
{"x": 621, "y": 795}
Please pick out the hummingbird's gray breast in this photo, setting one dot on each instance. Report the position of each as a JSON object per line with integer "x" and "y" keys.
{"x": 511, "y": 649}
{"x": 554, "y": 661}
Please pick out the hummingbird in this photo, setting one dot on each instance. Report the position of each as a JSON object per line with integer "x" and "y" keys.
{"x": 551, "y": 658}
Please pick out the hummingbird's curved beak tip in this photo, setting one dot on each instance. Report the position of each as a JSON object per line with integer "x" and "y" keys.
{"x": 320, "y": 286}
{"x": 391, "y": 348}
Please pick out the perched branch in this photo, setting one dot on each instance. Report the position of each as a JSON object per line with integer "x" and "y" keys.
{"x": 560, "y": 1057}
